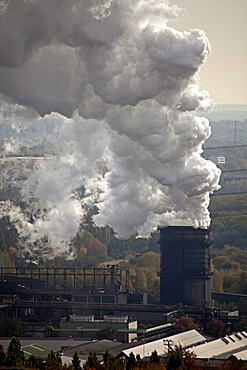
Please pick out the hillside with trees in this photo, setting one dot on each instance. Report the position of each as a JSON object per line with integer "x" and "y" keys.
{"x": 93, "y": 245}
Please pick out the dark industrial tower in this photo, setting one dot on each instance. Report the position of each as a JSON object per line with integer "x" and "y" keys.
{"x": 185, "y": 276}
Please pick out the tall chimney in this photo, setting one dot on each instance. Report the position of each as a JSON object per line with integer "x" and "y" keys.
{"x": 185, "y": 276}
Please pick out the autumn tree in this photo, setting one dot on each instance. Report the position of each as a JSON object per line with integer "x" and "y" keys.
{"x": 143, "y": 274}
{"x": 90, "y": 246}
{"x": 185, "y": 323}
{"x": 181, "y": 359}
{"x": 217, "y": 281}
{"x": 233, "y": 364}
{"x": 241, "y": 325}
{"x": 215, "y": 328}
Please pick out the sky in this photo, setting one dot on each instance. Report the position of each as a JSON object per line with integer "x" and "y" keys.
{"x": 224, "y": 74}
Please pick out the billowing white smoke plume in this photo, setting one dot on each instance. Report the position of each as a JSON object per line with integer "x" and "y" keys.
{"x": 124, "y": 88}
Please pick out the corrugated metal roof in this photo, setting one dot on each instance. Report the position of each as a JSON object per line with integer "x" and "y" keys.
{"x": 223, "y": 347}
{"x": 55, "y": 344}
{"x": 98, "y": 346}
{"x": 242, "y": 355}
{"x": 186, "y": 339}
{"x": 35, "y": 350}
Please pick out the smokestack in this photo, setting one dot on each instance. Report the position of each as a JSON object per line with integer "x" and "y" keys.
{"x": 185, "y": 276}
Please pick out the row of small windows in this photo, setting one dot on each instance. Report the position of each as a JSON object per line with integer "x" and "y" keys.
{"x": 95, "y": 298}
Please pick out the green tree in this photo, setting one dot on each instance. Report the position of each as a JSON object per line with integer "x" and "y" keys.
{"x": 139, "y": 362}
{"x": 110, "y": 363}
{"x": 34, "y": 362}
{"x": 76, "y": 362}
{"x": 107, "y": 357}
{"x": 14, "y": 354}
{"x": 10, "y": 327}
{"x": 2, "y": 242}
{"x": 175, "y": 361}
{"x": 107, "y": 333}
{"x": 131, "y": 362}
{"x": 92, "y": 362}
{"x": 2, "y": 355}
{"x": 154, "y": 358}
{"x": 53, "y": 361}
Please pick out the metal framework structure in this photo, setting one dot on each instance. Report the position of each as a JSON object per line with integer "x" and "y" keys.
{"x": 185, "y": 276}
{"x": 66, "y": 279}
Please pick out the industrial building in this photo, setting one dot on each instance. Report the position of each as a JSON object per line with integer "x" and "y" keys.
{"x": 185, "y": 276}
{"x": 162, "y": 346}
{"x": 223, "y": 348}
{"x": 42, "y": 296}
{"x": 124, "y": 328}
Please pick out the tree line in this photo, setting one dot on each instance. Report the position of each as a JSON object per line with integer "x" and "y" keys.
{"x": 177, "y": 358}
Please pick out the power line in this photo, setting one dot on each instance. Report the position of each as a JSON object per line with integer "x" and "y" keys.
{"x": 230, "y": 193}
{"x": 228, "y": 215}
{"x": 239, "y": 170}
{"x": 224, "y": 146}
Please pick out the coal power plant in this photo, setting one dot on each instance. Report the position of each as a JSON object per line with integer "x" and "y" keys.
{"x": 185, "y": 276}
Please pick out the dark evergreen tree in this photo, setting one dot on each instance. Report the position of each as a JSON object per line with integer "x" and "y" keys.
{"x": 107, "y": 357}
{"x": 14, "y": 355}
{"x": 2, "y": 355}
{"x": 53, "y": 361}
{"x": 34, "y": 362}
{"x": 175, "y": 361}
{"x": 180, "y": 359}
{"x": 76, "y": 362}
{"x": 10, "y": 327}
{"x": 154, "y": 358}
{"x": 139, "y": 362}
{"x": 93, "y": 362}
{"x": 131, "y": 363}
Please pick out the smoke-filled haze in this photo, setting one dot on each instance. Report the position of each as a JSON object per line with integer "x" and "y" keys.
{"x": 122, "y": 90}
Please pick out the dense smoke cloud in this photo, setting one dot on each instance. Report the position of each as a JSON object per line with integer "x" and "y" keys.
{"x": 124, "y": 88}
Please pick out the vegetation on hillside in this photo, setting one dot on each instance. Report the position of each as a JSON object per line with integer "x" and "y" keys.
{"x": 93, "y": 245}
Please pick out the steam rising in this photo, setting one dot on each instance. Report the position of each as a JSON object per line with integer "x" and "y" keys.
{"x": 122, "y": 89}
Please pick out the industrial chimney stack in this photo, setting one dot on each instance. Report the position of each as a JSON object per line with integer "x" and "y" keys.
{"x": 185, "y": 276}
